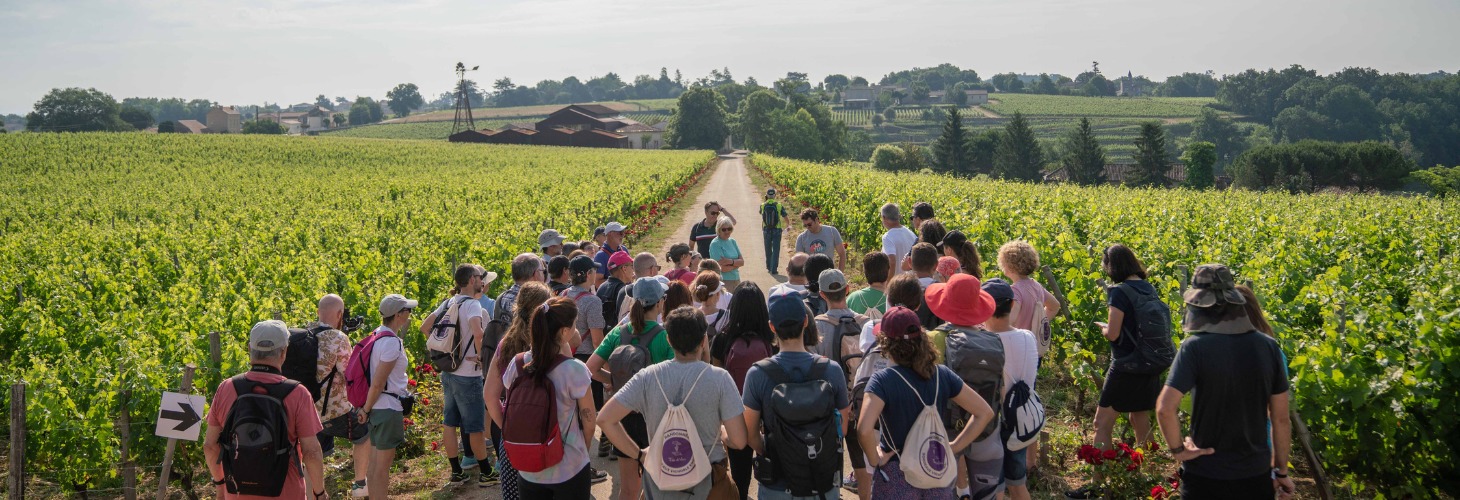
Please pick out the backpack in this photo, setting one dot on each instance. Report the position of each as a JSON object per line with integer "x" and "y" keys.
{"x": 677, "y": 459}
{"x": 770, "y": 214}
{"x": 608, "y": 293}
{"x": 802, "y": 432}
{"x": 1041, "y": 329}
{"x": 532, "y": 439}
{"x": 931, "y": 464}
{"x": 815, "y": 303}
{"x": 1154, "y": 349}
{"x": 257, "y": 452}
{"x": 845, "y": 346}
{"x": 492, "y": 334}
{"x": 631, "y": 355}
{"x": 872, "y": 362}
{"x": 301, "y": 361}
{"x": 743, "y": 353}
{"x": 444, "y": 343}
{"x": 1023, "y": 416}
{"x": 357, "y": 369}
{"x": 977, "y": 357}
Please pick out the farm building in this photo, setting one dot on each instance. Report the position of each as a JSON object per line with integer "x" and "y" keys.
{"x": 224, "y": 120}
{"x": 976, "y": 97}
{"x": 581, "y": 125}
{"x": 189, "y": 127}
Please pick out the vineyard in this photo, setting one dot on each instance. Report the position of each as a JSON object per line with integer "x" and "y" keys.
{"x": 1361, "y": 290}
{"x": 120, "y": 252}
{"x": 1077, "y": 106}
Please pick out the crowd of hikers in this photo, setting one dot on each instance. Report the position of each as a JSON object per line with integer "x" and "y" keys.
{"x": 697, "y": 382}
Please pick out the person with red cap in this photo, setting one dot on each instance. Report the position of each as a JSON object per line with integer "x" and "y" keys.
{"x": 896, "y": 395}
{"x": 970, "y": 351}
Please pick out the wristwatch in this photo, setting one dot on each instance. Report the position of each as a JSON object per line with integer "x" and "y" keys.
{"x": 1278, "y": 475}
{"x": 1177, "y": 449}
{"x": 220, "y": 482}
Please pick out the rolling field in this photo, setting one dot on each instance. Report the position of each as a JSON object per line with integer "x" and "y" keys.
{"x": 1361, "y": 291}
{"x": 440, "y": 130}
{"x": 120, "y": 252}
{"x": 1077, "y": 106}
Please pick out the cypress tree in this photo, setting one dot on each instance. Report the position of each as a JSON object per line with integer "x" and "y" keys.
{"x": 952, "y": 149}
{"x": 1019, "y": 156}
{"x": 1151, "y": 161}
{"x": 1084, "y": 159}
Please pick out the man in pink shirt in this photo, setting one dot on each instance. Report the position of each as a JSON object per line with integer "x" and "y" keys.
{"x": 267, "y": 342}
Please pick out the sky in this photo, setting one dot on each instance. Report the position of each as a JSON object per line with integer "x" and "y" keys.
{"x": 253, "y": 51}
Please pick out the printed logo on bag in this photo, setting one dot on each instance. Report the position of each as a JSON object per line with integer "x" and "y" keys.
{"x": 678, "y": 454}
{"x": 935, "y": 457}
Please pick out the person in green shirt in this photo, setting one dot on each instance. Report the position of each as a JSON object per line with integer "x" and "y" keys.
{"x": 877, "y": 268}
{"x": 773, "y": 220}
{"x": 648, "y": 298}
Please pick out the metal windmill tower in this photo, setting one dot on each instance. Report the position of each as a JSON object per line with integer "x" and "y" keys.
{"x": 463, "y": 120}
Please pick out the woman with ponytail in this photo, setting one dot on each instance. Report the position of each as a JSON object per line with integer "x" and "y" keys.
{"x": 518, "y": 339}
{"x": 956, "y": 245}
{"x": 553, "y": 338}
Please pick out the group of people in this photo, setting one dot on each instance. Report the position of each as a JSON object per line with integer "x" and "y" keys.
{"x": 697, "y": 383}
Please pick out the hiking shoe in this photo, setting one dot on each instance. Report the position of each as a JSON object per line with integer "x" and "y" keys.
{"x": 604, "y": 447}
{"x": 358, "y": 490}
{"x": 457, "y": 478}
{"x": 469, "y": 463}
{"x": 488, "y": 478}
{"x": 1084, "y": 493}
{"x": 597, "y": 476}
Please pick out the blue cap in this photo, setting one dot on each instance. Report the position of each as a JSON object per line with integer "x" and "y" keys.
{"x": 999, "y": 289}
{"x": 786, "y": 308}
{"x": 648, "y": 291}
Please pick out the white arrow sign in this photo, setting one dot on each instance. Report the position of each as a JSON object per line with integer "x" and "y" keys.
{"x": 180, "y": 415}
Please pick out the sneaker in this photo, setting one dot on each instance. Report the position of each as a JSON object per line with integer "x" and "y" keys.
{"x": 358, "y": 490}
{"x": 604, "y": 447}
{"x": 469, "y": 463}
{"x": 488, "y": 478}
{"x": 1084, "y": 493}
{"x": 597, "y": 476}
{"x": 457, "y": 478}
{"x": 850, "y": 482}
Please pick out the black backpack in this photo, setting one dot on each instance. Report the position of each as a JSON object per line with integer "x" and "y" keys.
{"x": 301, "y": 361}
{"x": 257, "y": 453}
{"x": 977, "y": 357}
{"x": 1154, "y": 348}
{"x": 608, "y": 293}
{"x": 770, "y": 214}
{"x": 802, "y": 434}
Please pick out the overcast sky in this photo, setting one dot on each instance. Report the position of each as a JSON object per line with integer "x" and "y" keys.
{"x": 247, "y": 52}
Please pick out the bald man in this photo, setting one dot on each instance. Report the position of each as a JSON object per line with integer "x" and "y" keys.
{"x": 338, "y": 417}
{"x": 796, "y": 279}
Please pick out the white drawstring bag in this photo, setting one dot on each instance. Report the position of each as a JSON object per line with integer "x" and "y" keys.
{"x": 677, "y": 460}
{"x": 926, "y": 460}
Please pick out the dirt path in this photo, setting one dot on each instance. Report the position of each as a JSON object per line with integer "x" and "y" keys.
{"x": 732, "y": 188}
{"x": 988, "y": 113}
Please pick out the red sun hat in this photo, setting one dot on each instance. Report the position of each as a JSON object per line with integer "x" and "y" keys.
{"x": 960, "y": 301}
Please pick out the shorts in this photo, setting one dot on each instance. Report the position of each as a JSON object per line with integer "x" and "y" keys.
{"x": 985, "y": 477}
{"x": 1197, "y": 488}
{"x": 387, "y": 429}
{"x": 889, "y": 483}
{"x": 637, "y": 430}
{"x": 1130, "y": 392}
{"x": 464, "y": 408}
{"x": 854, "y": 448}
{"x": 773, "y": 494}
{"x": 1016, "y": 467}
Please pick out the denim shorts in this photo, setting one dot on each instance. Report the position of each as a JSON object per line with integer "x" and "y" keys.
{"x": 464, "y": 407}
{"x": 1016, "y": 467}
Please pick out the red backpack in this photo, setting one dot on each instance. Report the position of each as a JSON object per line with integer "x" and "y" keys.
{"x": 744, "y": 353}
{"x": 357, "y": 370}
{"x": 532, "y": 439}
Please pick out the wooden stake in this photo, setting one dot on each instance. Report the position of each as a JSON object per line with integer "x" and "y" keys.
{"x": 1324, "y": 490}
{"x": 124, "y": 429}
{"x": 1054, "y": 286}
{"x": 16, "y": 480}
{"x": 187, "y": 388}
